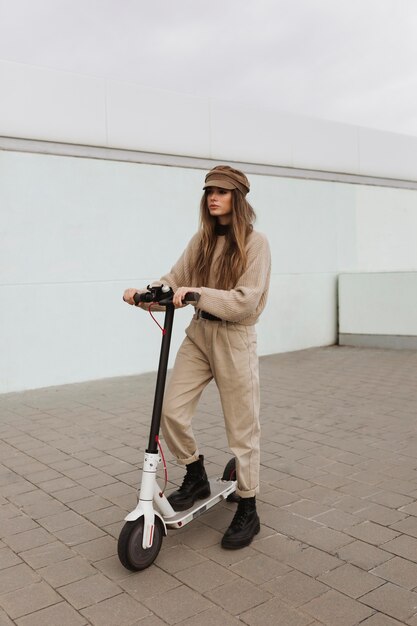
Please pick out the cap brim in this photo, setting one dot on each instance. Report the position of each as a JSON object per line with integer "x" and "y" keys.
{"x": 221, "y": 184}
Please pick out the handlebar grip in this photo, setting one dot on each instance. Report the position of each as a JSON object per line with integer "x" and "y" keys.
{"x": 139, "y": 297}
{"x": 191, "y": 296}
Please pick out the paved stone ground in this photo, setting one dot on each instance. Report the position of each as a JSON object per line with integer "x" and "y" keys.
{"x": 338, "y": 503}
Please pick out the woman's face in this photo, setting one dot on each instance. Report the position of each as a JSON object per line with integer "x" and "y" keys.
{"x": 219, "y": 202}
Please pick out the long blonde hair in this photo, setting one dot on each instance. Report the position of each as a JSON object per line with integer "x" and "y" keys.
{"x": 233, "y": 260}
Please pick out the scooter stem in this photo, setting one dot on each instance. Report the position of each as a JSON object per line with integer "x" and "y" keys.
{"x": 161, "y": 379}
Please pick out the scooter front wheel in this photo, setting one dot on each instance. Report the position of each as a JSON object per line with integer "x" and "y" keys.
{"x": 129, "y": 547}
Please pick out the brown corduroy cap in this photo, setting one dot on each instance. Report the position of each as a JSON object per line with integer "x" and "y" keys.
{"x": 225, "y": 177}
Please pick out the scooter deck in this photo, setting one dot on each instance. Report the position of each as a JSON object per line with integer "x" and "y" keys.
{"x": 220, "y": 489}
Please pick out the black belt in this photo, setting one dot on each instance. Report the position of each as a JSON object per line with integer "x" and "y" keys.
{"x": 209, "y": 316}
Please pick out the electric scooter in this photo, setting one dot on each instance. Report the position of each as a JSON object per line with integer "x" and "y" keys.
{"x": 141, "y": 537}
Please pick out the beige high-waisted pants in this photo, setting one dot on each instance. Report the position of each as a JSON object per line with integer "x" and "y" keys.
{"x": 226, "y": 352}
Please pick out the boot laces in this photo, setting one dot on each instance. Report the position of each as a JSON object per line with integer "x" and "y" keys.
{"x": 189, "y": 478}
{"x": 240, "y": 518}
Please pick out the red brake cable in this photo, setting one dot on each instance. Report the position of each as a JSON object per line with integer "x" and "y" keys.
{"x": 158, "y": 441}
{"x": 155, "y": 320}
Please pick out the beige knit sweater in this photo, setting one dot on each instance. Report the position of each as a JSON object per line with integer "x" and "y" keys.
{"x": 247, "y": 300}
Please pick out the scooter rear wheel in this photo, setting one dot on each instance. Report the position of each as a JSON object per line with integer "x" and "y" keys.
{"x": 229, "y": 473}
{"x": 129, "y": 548}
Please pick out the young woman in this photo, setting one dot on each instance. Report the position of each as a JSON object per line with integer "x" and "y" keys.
{"x": 227, "y": 263}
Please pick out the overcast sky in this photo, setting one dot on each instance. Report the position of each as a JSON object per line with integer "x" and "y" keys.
{"x": 353, "y": 61}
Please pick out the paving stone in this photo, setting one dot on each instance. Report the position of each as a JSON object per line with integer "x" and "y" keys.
{"x": 177, "y": 604}
{"x": 16, "y": 525}
{"x": 88, "y": 591}
{"x": 214, "y": 616}
{"x": 351, "y": 504}
{"x": 382, "y": 620}
{"x": 112, "y": 568}
{"x": 28, "y": 599}
{"x": 295, "y": 588}
{"x": 403, "y": 546}
{"x": 351, "y": 580}
{"x": 226, "y": 557}
{"x": 87, "y": 505}
{"x": 44, "y": 508}
{"x": 17, "y": 577}
{"x": 79, "y": 533}
{"x": 338, "y": 520}
{"x": 334, "y": 608}
{"x": 238, "y": 597}
{"x": 154, "y": 582}
{"x": 68, "y": 571}
{"x": 121, "y": 610}
{"x": 391, "y": 499}
{"x": 8, "y": 511}
{"x": 277, "y": 613}
{"x": 313, "y": 562}
{"x": 392, "y": 600}
{"x": 57, "y": 484}
{"x": 383, "y": 515}
{"x": 279, "y": 547}
{"x": 277, "y": 497}
{"x": 8, "y": 558}
{"x": 328, "y": 539}
{"x": 44, "y": 555}
{"x": 97, "y": 549}
{"x": 104, "y": 517}
{"x": 398, "y": 571}
{"x": 61, "y": 521}
{"x": 306, "y": 508}
{"x": 372, "y": 533}
{"x": 260, "y": 568}
{"x": 72, "y": 494}
{"x": 206, "y": 576}
{"x": 407, "y": 526}
{"x": 62, "y": 614}
{"x": 29, "y": 539}
{"x": 4, "y": 620}
{"x": 363, "y": 555}
{"x": 180, "y": 557}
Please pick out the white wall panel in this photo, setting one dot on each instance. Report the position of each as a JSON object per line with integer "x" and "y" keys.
{"x": 46, "y": 104}
{"x": 378, "y": 304}
{"x": 52, "y": 334}
{"x": 242, "y": 133}
{"x": 157, "y": 121}
{"x": 301, "y": 313}
{"x": 324, "y": 145}
{"x": 386, "y": 229}
{"x": 387, "y": 154}
{"x": 74, "y": 219}
{"x": 52, "y": 105}
{"x": 301, "y": 217}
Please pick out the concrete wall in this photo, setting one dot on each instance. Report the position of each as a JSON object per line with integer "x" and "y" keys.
{"x": 378, "y": 309}
{"x": 79, "y": 231}
{"x": 52, "y": 105}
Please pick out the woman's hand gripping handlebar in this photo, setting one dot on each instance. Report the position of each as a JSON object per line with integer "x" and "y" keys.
{"x": 162, "y": 295}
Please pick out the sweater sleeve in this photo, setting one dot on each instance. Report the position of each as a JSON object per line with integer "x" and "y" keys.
{"x": 181, "y": 273}
{"x": 238, "y": 303}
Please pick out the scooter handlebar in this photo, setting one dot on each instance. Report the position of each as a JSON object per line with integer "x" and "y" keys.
{"x": 149, "y": 296}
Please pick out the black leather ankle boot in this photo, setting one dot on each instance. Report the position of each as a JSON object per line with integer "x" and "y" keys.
{"x": 195, "y": 486}
{"x": 245, "y": 525}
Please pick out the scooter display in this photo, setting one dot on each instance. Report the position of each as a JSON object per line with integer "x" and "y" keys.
{"x": 141, "y": 537}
